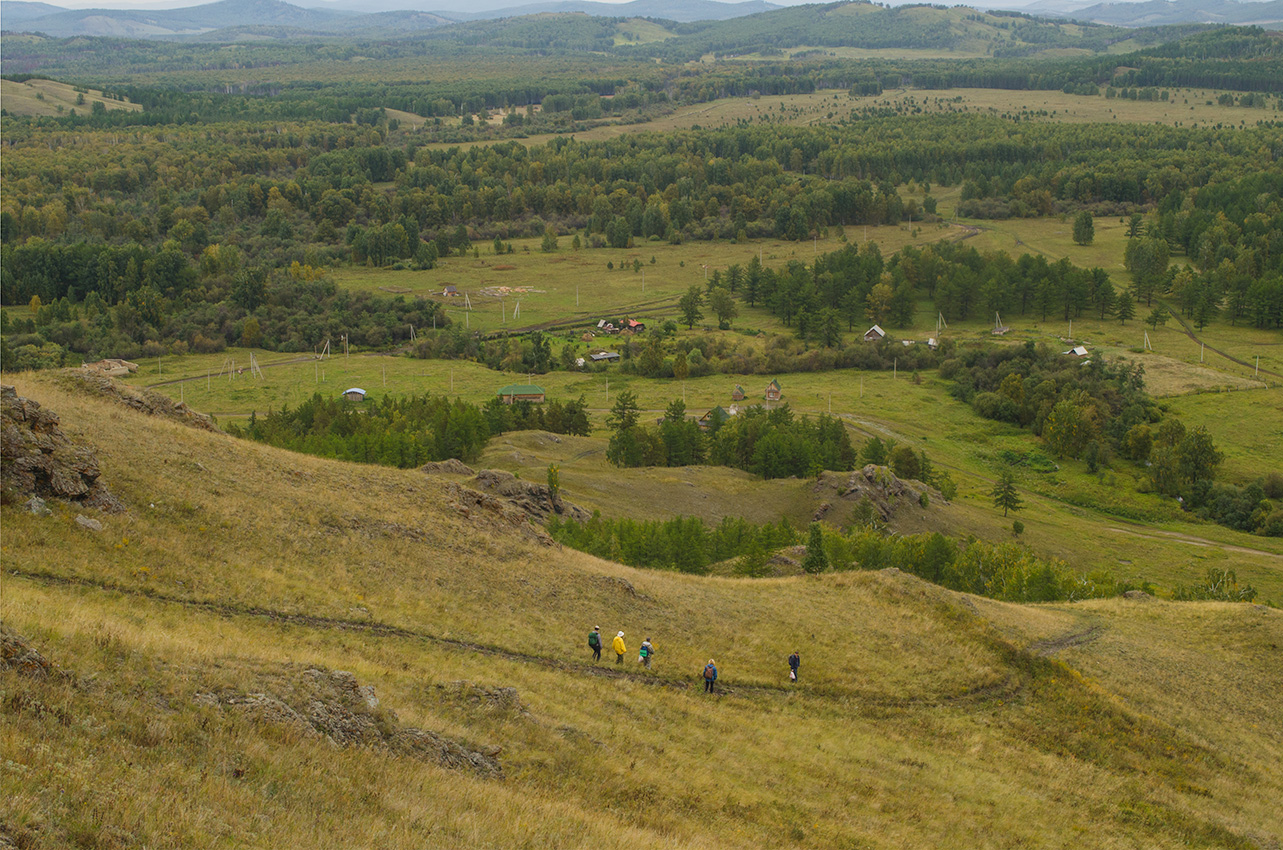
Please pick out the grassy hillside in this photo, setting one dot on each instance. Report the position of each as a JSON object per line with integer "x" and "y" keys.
{"x": 923, "y": 718}
{"x": 46, "y": 97}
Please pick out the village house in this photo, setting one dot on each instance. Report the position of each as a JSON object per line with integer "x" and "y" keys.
{"x": 354, "y": 394}
{"x": 717, "y": 416}
{"x": 874, "y": 334}
{"x": 773, "y": 391}
{"x": 738, "y": 393}
{"x": 521, "y": 392}
{"x": 450, "y": 291}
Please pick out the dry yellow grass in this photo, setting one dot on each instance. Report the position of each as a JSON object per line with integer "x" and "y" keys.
{"x": 923, "y": 718}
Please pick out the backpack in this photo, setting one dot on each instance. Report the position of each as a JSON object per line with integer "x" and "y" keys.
{"x": 645, "y": 651}
{"x": 710, "y": 672}
{"x": 594, "y": 640}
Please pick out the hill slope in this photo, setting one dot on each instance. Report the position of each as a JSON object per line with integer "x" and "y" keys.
{"x": 197, "y": 703}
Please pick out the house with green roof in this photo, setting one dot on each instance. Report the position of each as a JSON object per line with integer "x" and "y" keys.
{"x": 521, "y": 392}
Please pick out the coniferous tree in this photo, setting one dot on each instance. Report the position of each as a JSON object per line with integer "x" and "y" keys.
{"x": 1004, "y": 493}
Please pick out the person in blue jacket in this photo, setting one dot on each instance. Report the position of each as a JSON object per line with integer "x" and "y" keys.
{"x": 794, "y": 661}
{"x": 710, "y": 676}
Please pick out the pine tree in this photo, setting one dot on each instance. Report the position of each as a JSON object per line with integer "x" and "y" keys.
{"x": 1005, "y": 495}
{"x": 816, "y": 561}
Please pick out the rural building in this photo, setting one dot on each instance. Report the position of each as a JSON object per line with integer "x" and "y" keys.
{"x": 607, "y": 327}
{"x": 717, "y": 415}
{"x": 354, "y": 394}
{"x": 773, "y": 391}
{"x": 450, "y": 290}
{"x": 874, "y": 334}
{"x": 933, "y": 343}
{"x": 521, "y": 392}
{"x": 738, "y": 393}
{"x": 604, "y": 356}
{"x": 634, "y": 326}
{"x": 1077, "y": 351}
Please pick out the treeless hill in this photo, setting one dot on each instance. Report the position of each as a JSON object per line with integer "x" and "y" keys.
{"x": 194, "y": 696}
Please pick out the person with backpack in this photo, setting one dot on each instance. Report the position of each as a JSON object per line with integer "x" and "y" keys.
{"x": 710, "y": 676}
{"x": 594, "y": 643}
{"x": 643, "y": 657}
{"x": 620, "y": 648}
{"x": 794, "y": 660}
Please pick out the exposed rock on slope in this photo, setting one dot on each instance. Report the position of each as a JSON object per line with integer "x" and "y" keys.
{"x": 145, "y": 401}
{"x": 502, "y": 498}
{"x": 331, "y": 704}
{"x": 38, "y": 459}
{"x": 879, "y": 485}
{"x": 17, "y": 654}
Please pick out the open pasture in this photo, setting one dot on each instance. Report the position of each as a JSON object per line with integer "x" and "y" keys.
{"x": 578, "y": 286}
{"x": 47, "y": 98}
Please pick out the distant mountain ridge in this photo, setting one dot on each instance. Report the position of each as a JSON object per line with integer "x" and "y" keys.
{"x": 340, "y": 18}
{"x": 1160, "y": 12}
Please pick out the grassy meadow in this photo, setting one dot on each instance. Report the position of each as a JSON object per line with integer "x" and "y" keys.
{"x": 923, "y": 717}
{"x": 47, "y": 97}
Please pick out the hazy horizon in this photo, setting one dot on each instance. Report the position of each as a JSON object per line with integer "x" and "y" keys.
{"x": 465, "y": 6}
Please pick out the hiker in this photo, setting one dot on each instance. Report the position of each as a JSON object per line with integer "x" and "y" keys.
{"x": 594, "y": 643}
{"x": 710, "y": 676}
{"x": 794, "y": 660}
{"x": 620, "y": 648}
{"x": 643, "y": 656}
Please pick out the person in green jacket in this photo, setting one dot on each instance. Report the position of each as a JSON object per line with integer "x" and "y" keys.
{"x": 620, "y": 648}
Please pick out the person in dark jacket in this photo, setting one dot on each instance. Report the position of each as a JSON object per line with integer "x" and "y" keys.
{"x": 644, "y": 655}
{"x": 710, "y": 676}
{"x": 594, "y": 642}
{"x": 794, "y": 660}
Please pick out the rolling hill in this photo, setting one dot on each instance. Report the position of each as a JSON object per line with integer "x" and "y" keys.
{"x": 271, "y": 649}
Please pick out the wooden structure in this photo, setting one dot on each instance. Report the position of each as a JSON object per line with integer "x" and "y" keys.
{"x": 354, "y": 394}
{"x": 874, "y": 334}
{"x": 773, "y": 391}
{"x": 738, "y": 393}
{"x": 521, "y": 392}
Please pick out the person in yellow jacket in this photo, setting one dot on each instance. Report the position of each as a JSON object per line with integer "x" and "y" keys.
{"x": 620, "y": 648}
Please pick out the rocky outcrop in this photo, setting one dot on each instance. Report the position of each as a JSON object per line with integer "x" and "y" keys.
{"x": 532, "y": 499}
{"x": 879, "y": 485}
{"x": 144, "y": 401}
{"x": 38, "y": 459}
{"x": 332, "y": 705}
{"x": 501, "y": 498}
{"x": 19, "y": 655}
{"x": 453, "y": 466}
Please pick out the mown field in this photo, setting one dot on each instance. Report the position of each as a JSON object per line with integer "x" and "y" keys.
{"x": 922, "y": 717}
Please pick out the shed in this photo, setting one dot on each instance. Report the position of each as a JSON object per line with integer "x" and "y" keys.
{"x": 773, "y": 391}
{"x": 521, "y": 392}
{"x": 1077, "y": 351}
{"x": 738, "y": 393}
{"x": 874, "y": 334}
{"x": 604, "y": 356}
{"x": 450, "y": 290}
{"x": 354, "y": 394}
